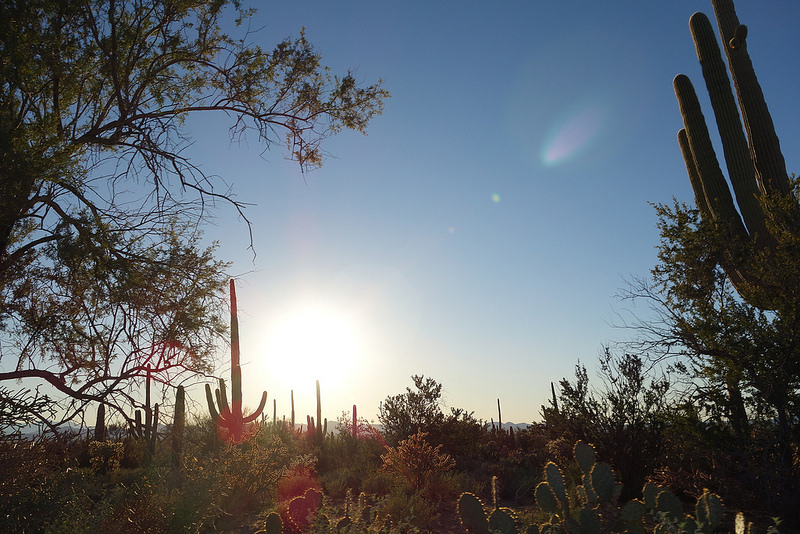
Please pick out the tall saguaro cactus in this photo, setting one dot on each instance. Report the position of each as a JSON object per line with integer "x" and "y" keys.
{"x": 753, "y": 157}
{"x": 230, "y": 417}
{"x": 178, "y": 426}
{"x": 317, "y": 430}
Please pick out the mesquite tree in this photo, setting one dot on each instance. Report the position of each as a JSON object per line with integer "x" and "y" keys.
{"x": 102, "y": 274}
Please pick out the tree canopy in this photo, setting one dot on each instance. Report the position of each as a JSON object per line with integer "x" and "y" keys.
{"x": 740, "y": 364}
{"x": 103, "y": 273}
{"x": 404, "y": 414}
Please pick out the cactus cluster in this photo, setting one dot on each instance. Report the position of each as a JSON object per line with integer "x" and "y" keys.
{"x": 593, "y": 507}
{"x": 475, "y": 520}
{"x": 229, "y": 417}
{"x": 358, "y": 517}
{"x": 304, "y": 514}
{"x": 753, "y": 157}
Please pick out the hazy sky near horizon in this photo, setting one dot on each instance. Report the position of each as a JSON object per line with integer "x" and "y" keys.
{"x": 480, "y": 231}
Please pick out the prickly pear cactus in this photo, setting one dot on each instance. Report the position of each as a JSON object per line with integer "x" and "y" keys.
{"x": 666, "y": 510}
{"x": 708, "y": 510}
{"x": 632, "y": 516}
{"x": 546, "y": 499}
{"x": 668, "y": 505}
{"x": 470, "y": 511}
{"x": 555, "y": 479}
{"x": 273, "y": 524}
{"x": 593, "y": 506}
{"x": 585, "y": 456}
{"x": 502, "y": 520}
{"x": 302, "y": 509}
{"x": 590, "y": 522}
{"x": 603, "y": 482}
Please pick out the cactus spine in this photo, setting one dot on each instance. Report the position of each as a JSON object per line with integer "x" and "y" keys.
{"x": 755, "y": 164}
{"x": 230, "y": 417}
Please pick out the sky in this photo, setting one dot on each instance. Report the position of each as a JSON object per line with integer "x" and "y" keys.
{"x": 479, "y": 233}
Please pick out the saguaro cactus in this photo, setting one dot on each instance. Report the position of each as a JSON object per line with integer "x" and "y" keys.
{"x": 100, "y": 424}
{"x": 322, "y": 429}
{"x": 230, "y": 417}
{"x": 317, "y": 429}
{"x": 178, "y": 426}
{"x": 753, "y": 157}
{"x": 292, "y": 395}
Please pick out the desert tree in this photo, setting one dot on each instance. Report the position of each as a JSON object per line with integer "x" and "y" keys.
{"x": 740, "y": 364}
{"x": 103, "y": 274}
{"x": 417, "y": 409}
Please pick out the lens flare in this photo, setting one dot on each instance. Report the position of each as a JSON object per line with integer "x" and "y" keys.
{"x": 572, "y": 136}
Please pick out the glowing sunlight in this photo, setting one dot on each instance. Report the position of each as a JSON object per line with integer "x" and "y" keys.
{"x": 313, "y": 340}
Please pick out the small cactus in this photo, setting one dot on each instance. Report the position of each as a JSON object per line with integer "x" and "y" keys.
{"x": 668, "y": 505}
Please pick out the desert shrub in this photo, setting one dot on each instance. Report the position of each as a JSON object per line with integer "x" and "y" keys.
{"x": 462, "y": 437}
{"x": 297, "y": 479}
{"x": 35, "y": 476}
{"x": 346, "y": 461}
{"x": 409, "y": 510}
{"x": 105, "y": 456}
{"x": 134, "y": 452}
{"x": 625, "y": 419}
{"x": 404, "y": 414}
{"x": 416, "y": 462}
{"x": 379, "y": 484}
{"x": 247, "y": 473}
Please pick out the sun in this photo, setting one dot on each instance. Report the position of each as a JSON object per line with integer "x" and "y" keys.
{"x": 313, "y": 340}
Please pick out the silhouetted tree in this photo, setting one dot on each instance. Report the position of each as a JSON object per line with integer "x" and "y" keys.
{"x": 404, "y": 414}
{"x": 102, "y": 275}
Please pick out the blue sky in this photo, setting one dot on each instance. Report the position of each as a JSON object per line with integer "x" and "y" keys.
{"x": 480, "y": 231}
